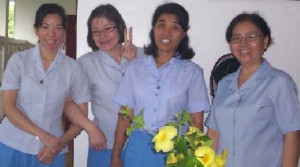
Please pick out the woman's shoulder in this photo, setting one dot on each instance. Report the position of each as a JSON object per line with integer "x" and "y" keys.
{"x": 280, "y": 76}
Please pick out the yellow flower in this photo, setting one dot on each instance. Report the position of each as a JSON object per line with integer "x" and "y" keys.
{"x": 192, "y": 129}
{"x": 205, "y": 155}
{"x": 221, "y": 158}
{"x": 163, "y": 139}
{"x": 172, "y": 158}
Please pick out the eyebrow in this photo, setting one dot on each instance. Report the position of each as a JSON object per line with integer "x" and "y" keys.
{"x": 60, "y": 24}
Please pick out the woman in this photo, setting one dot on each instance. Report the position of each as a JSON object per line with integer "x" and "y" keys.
{"x": 163, "y": 83}
{"x": 104, "y": 67}
{"x": 36, "y": 84}
{"x": 256, "y": 112}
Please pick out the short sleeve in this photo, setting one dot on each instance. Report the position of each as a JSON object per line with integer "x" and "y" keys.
{"x": 197, "y": 93}
{"x": 286, "y": 104}
{"x": 80, "y": 88}
{"x": 12, "y": 74}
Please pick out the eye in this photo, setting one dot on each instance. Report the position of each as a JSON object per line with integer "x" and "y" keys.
{"x": 236, "y": 39}
{"x": 59, "y": 27}
{"x": 252, "y": 37}
{"x": 44, "y": 26}
{"x": 176, "y": 27}
{"x": 108, "y": 29}
{"x": 160, "y": 25}
{"x": 96, "y": 32}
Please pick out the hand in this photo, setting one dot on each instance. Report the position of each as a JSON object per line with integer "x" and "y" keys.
{"x": 97, "y": 138}
{"x": 128, "y": 49}
{"x": 52, "y": 142}
{"x": 46, "y": 155}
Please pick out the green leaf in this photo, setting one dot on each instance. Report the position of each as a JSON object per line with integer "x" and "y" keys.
{"x": 125, "y": 112}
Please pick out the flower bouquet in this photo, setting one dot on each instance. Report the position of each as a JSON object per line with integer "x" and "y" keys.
{"x": 189, "y": 149}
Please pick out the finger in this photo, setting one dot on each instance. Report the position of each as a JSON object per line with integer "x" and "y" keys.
{"x": 125, "y": 35}
{"x": 130, "y": 35}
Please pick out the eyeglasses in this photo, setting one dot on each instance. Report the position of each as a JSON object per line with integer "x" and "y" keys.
{"x": 105, "y": 31}
{"x": 248, "y": 38}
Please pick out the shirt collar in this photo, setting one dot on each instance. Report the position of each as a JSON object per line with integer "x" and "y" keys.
{"x": 262, "y": 72}
{"x": 109, "y": 60}
{"x": 150, "y": 60}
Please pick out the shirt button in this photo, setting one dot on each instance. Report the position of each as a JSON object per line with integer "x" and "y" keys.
{"x": 41, "y": 81}
{"x": 152, "y": 125}
{"x": 156, "y": 94}
{"x": 155, "y": 109}
{"x": 157, "y": 87}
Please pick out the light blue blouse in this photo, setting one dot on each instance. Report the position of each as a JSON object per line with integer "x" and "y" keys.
{"x": 163, "y": 92}
{"x": 104, "y": 76}
{"x": 41, "y": 95}
{"x": 253, "y": 119}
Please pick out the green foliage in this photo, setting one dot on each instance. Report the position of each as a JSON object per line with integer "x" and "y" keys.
{"x": 11, "y": 21}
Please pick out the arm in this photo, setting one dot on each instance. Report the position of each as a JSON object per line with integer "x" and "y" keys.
{"x": 291, "y": 149}
{"x": 120, "y": 138}
{"x": 19, "y": 120}
{"x": 77, "y": 114}
{"x": 215, "y": 136}
{"x": 197, "y": 120}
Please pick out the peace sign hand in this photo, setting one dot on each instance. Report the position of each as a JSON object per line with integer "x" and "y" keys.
{"x": 128, "y": 49}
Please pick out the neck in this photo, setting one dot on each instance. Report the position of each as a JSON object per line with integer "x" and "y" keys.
{"x": 48, "y": 55}
{"x": 162, "y": 59}
{"x": 115, "y": 53}
{"x": 246, "y": 73}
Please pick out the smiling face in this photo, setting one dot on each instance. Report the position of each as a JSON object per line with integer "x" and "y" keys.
{"x": 248, "y": 52}
{"x": 51, "y": 33}
{"x": 168, "y": 33}
{"x": 104, "y": 34}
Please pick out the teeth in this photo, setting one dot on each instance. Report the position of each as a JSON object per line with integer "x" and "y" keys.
{"x": 244, "y": 51}
{"x": 165, "y": 41}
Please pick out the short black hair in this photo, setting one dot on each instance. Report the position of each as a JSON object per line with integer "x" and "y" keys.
{"x": 111, "y": 13}
{"x": 254, "y": 18}
{"x": 49, "y": 8}
{"x": 183, "y": 17}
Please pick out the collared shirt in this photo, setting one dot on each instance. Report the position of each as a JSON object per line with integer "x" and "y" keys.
{"x": 104, "y": 76}
{"x": 253, "y": 119}
{"x": 41, "y": 95}
{"x": 163, "y": 92}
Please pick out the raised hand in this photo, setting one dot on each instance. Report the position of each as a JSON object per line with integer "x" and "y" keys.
{"x": 128, "y": 49}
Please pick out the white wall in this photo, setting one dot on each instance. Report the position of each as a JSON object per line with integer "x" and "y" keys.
{"x": 209, "y": 20}
{"x": 2, "y": 17}
{"x": 25, "y": 15}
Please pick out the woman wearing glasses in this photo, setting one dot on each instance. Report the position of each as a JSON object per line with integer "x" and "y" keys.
{"x": 104, "y": 67}
{"x": 256, "y": 112}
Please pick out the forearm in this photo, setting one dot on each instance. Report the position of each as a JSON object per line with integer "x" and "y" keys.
{"x": 215, "y": 136}
{"x": 77, "y": 114}
{"x": 72, "y": 132}
{"x": 197, "y": 120}
{"x": 291, "y": 149}
{"x": 120, "y": 135}
{"x": 17, "y": 118}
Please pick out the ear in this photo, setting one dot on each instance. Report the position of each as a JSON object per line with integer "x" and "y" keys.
{"x": 266, "y": 41}
{"x": 183, "y": 35}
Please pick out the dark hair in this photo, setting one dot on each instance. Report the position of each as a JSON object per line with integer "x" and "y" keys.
{"x": 49, "y": 8}
{"x": 183, "y": 17}
{"x": 111, "y": 13}
{"x": 254, "y": 18}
